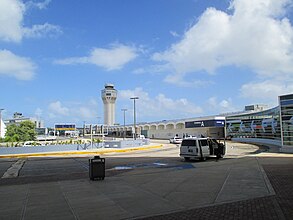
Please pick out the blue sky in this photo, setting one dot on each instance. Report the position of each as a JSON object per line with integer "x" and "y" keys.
{"x": 182, "y": 58}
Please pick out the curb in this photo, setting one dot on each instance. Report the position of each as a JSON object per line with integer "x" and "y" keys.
{"x": 87, "y": 152}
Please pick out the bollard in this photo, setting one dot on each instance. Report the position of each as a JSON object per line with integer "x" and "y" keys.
{"x": 97, "y": 168}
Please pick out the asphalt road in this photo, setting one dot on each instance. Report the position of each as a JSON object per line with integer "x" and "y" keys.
{"x": 38, "y": 169}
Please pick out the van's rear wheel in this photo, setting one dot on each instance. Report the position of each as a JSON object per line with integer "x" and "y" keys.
{"x": 187, "y": 158}
{"x": 202, "y": 158}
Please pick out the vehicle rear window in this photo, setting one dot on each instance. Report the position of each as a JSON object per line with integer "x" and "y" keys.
{"x": 203, "y": 142}
{"x": 188, "y": 143}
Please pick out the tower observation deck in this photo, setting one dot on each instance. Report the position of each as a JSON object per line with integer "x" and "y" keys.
{"x": 109, "y": 96}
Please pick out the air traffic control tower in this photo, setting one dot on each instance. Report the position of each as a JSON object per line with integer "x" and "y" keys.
{"x": 109, "y": 96}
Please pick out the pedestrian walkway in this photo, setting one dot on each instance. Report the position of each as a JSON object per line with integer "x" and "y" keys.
{"x": 278, "y": 206}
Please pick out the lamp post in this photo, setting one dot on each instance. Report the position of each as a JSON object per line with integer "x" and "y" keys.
{"x": 98, "y": 127}
{"x": 83, "y": 129}
{"x": 1, "y": 121}
{"x": 134, "y": 116}
{"x": 124, "y": 110}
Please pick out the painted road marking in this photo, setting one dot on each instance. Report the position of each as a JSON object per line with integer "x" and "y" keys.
{"x": 13, "y": 171}
{"x": 154, "y": 165}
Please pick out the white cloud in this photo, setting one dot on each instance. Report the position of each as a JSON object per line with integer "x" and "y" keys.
{"x": 160, "y": 106}
{"x": 11, "y": 16}
{"x": 39, "y": 5}
{"x": 11, "y": 22}
{"x": 214, "y": 106}
{"x": 178, "y": 79}
{"x": 255, "y": 35}
{"x": 113, "y": 58}
{"x": 38, "y": 112}
{"x": 58, "y": 108}
{"x": 267, "y": 90}
{"x": 21, "y": 68}
{"x": 86, "y": 112}
{"x": 78, "y": 111}
{"x": 139, "y": 71}
{"x": 174, "y": 34}
{"x": 153, "y": 69}
{"x": 38, "y": 31}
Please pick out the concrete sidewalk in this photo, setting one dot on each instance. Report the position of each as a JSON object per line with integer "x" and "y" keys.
{"x": 135, "y": 193}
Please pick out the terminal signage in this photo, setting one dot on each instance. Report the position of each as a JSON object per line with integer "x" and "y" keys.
{"x": 205, "y": 123}
{"x": 65, "y": 127}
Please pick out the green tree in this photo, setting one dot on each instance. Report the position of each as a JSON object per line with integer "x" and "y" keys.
{"x": 25, "y": 131}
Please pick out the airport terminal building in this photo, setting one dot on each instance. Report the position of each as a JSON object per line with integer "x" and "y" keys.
{"x": 255, "y": 124}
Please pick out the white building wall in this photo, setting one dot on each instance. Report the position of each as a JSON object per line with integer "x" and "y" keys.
{"x": 3, "y": 129}
{"x": 170, "y": 133}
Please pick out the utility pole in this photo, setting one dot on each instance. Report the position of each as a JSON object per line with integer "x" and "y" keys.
{"x": 124, "y": 110}
{"x": 134, "y": 116}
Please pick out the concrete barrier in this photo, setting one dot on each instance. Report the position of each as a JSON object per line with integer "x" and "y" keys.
{"x": 274, "y": 144}
{"x": 37, "y": 149}
{"x": 73, "y": 147}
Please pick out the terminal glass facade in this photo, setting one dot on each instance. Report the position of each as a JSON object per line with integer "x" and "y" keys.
{"x": 264, "y": 124}
{"x": 286, "y": 109}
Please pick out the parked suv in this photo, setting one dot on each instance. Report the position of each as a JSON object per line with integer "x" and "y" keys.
{"x": 201, "y": 148}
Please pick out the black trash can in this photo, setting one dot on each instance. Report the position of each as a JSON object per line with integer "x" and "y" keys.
{"x": 97, "y": 168}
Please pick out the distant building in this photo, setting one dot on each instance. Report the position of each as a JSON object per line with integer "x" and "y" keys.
{"x": 18, "y": 118}
{"x": 109, "y": 96}
{"x": 65, "y": 129}
{"x": 256, "y": 124}
{"x": 257, "y": 107}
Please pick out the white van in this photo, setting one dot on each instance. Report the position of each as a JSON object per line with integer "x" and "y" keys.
{"x": 201, "y": 148}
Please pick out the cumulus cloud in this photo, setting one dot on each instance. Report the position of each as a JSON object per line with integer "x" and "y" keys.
{"x": 11, "y": 16}
{"x": 58, "y": 108}
{"x": 40, "y": 5}
{"x": 267, "y": 90}
{"x": 11, "y": 22}
{"x": 160, "y": 105}
{"x": 214, "y": 106}
{"x": 179, "y": 80}
{"x": 256, "y": 34}
{"x": 73, "y": 111}
{"x": 113, "y": 58}
{"x": 174, "y": 34}
{"x": 38, "y": 112}
{"x": 38, "y": 31}
{"x": 21, "y": 68}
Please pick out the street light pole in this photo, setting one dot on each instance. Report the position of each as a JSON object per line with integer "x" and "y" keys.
{"x": 134, "y": 116}
{"x": 124, "y": 110}
{"x": 83, "y": 129}
{"x": 98, "y": 127}
{"x": 1, "y": 121}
